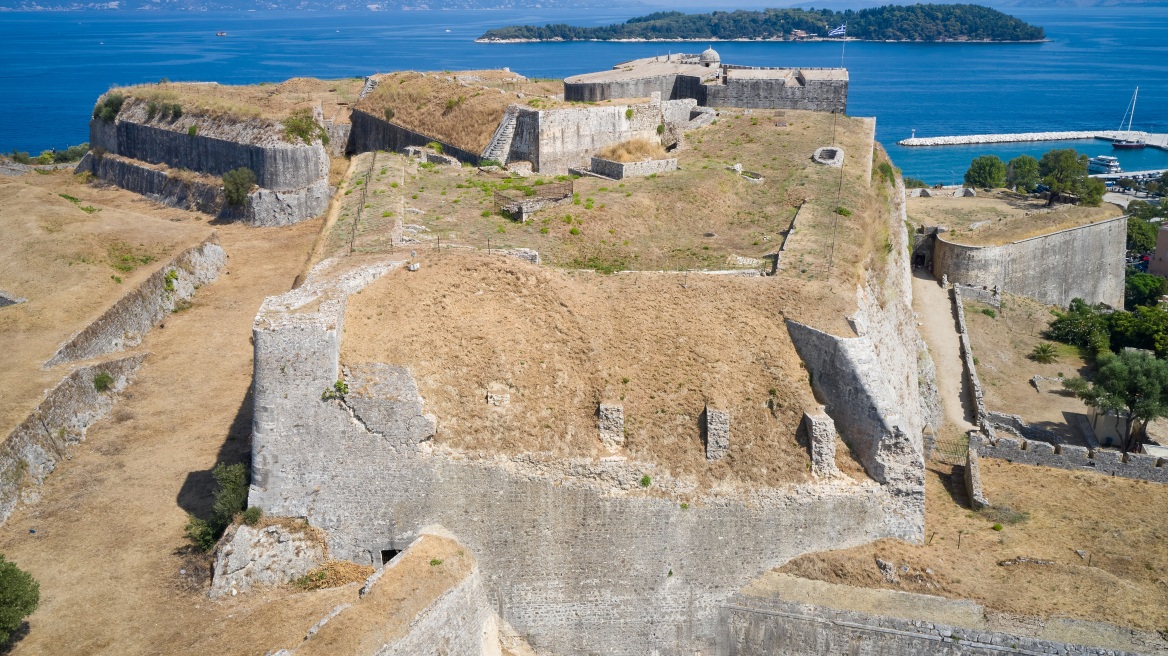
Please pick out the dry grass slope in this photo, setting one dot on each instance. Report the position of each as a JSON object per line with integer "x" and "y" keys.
{"x": 272, "y": 102}
{"x": 1001, "y": 217}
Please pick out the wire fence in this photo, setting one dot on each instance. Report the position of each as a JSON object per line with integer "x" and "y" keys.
{"x": 951, "y": 449}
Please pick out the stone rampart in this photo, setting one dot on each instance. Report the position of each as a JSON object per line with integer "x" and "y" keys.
{"x": 554, "y": 140}
{"x": 1137, "y": 466}
{"x": 775, "y": 93}
{"x": 546, "y": 533}
{"x": 371, "y": 133}
{"x": 278, "y": 166}
{"x": 129, "y": 319}
{"x": 31, "y": 451}
{"x": 622, "y": 170}
{"x": 1085, "y": 262}
{"x": 752, "y": 625}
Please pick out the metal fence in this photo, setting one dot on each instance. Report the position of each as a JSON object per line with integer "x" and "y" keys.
{"x": 951, "y": 449}
{"x": 523, "y": 200}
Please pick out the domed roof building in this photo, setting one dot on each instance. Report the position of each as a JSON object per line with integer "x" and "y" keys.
{"x": 709, "y": 58}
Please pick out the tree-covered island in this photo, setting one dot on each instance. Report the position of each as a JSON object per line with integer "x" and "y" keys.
{"x": 890, "y": 23}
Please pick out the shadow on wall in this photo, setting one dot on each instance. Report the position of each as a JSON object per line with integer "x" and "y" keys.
{"x": 195, "y": 495}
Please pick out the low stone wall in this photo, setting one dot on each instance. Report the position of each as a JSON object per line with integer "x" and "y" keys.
{"x": 129, "y": 319}
{"x": 370, "y": 133}
{"x": 992, "y": 297}
{"x": 1014, "y": 424}
{"x": 751, "y": 625}
{"x": 1137, "y": 466}
{"x": 1084, "y": 262}
{"x": 32, "y": 450}
{"x": 973, "y": 487}
{"x": 265, "y": 556}
{"x": 970, "y": 372}
{"x": 622, "y": 170}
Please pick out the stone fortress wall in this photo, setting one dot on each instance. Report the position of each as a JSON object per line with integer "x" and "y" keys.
{"x": 554, "y": 140}
{"x": 713, "y": 84}
{"x": 292, "y": 178}
{"x": 1086, "y": 262}
{"x": 576, "y": 555}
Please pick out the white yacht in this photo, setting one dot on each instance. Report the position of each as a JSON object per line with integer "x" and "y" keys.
{"x": 1103, "y": 164}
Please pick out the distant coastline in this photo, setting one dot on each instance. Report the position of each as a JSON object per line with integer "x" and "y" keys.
{"x": 921, "y": 23}
{"x": 761, "y": 40}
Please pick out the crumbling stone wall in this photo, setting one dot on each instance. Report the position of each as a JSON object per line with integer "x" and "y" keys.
{"x": 1138, "y": 466}
{"x": 1084, "y": 262}
{"x": 32, "y": 450}
{"x": 576, "y": 555}
{"x": 129, "y": 319}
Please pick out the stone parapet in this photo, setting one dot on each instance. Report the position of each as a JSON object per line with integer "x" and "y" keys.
{"x": 1137, "y": 466}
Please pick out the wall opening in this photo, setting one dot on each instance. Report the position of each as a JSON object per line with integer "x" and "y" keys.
{"x": 388, "y": 554}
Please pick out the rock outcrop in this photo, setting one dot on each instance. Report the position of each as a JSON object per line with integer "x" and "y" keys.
{"x": 248, "y": 557}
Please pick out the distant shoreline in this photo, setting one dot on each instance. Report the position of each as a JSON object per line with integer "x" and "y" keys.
{"x": 771, "y": 40}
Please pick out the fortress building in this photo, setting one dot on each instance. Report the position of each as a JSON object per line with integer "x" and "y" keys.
{"x": 711, "y": 83}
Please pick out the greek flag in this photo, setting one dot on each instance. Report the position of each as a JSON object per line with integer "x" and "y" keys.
{"x": 842, "y": 30}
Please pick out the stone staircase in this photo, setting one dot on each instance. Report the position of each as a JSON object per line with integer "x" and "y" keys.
{"x": 500, "y": 146}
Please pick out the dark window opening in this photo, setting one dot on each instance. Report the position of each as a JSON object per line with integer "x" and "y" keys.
{"x": 388, "y": 554}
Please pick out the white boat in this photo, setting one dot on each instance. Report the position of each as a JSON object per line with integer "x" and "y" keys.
{"x": 1129, "y": 142}
{"x": 1103, "y": 164}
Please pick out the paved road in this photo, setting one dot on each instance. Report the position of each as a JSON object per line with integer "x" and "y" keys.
{"x": 939, "y": 328}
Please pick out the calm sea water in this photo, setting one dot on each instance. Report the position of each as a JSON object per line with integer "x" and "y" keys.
{"x": 56, "y": 64}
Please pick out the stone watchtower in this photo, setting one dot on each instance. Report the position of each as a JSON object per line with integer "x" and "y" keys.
{"x": 710, "y": 58}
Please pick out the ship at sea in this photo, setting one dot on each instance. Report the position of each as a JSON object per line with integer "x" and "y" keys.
{"x": 1128, "y": 143}
{"x": 1103, "y": 164}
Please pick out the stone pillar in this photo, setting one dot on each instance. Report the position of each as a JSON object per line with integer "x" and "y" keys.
{"x": 821, "y": 438}
{"x": 717, "y": 433}
{"x": 612, "y": 425}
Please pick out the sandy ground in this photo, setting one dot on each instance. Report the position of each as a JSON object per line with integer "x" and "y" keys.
{"x": 1045, "y": 514}
{"x": 1002, "y": 345}
{"x": 68, "y": 262}
{"x": 938, "y": 325}
{"x": 559, "y": 342}
{"x": 108, "y": 542}
{"x": 1001, "y": 217}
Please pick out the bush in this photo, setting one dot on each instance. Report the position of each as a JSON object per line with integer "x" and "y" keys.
{"x": 646, "y": 481}
{"x": 913, "y": 183}
{"x": 103, "y": 382}
{"x": 252, "y": 516}
{"x": 230, "y": 497}
{"x": 629, "y": 113}
{"x": 237, "y": 184}
{"x": 887, "y": 172}
{"x": 1044, "y": 353}
{"x": 843, "y": 211}
{"x": 660, "y": 128}
{"x": 300, "y": 125}
{"x": 337, "y": 391}
{"x": 389, "y": 113}
{"x": 437, "y": 147}
{"x": 20, "y": 595}
{"x": 20, "y": 157}
{"x": 108, "y": 107}
{"x": 193, "y": 130}
{"x": 989, "y": 313}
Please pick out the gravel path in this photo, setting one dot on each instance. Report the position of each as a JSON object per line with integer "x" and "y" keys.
{"x": 939, "y": 328}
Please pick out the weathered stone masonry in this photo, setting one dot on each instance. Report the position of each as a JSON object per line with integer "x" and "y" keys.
{"x": 576, "y": 554}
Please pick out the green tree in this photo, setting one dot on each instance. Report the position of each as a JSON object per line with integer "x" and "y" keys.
{"x": 20, "y": 595}
{"x": 1144, "y": 210}
{"x": 1133, "y": 384}
{"x": 237, "y": 184}
{"x": 1140, "y": 289}
{"x": 230, "y": 498}
{"x": 1063, "y": 170}
{"x": 986, "y": 171}
{"x": 1141, "y": 235}
{"x": 1022, "y": 174}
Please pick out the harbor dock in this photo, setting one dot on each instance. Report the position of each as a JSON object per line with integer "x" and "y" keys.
{"x": 1153, "y": 140}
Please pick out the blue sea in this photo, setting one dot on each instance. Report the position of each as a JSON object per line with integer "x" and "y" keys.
{"x": 55, "y": 64}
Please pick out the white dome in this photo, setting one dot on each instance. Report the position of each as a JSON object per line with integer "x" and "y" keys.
{"x": 709, "y": 56}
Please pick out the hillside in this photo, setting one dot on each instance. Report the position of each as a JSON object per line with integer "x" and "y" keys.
{"x": 890, "y": 23}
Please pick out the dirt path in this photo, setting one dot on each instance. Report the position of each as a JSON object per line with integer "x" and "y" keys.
{"x": 939, "y": 328}
{"x": 109, "y": 526}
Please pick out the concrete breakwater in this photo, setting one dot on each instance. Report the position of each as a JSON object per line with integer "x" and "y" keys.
{"x": 1022, "y": 137}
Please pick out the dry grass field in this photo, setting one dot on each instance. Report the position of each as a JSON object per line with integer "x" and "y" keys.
{"x": 267, "y": 101}
{"x": 1001, "y": 217}
{"x": 703, "y": 216}
{"x": 1045, "y": 514}
{"x": 1002, "y": 345}
{"x": 71, "y": 258}
{"x": 560, "y": 342}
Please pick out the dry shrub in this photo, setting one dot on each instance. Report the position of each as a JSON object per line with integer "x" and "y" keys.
{"x": 635, "y": 150}
{"x": 333, "y": 573}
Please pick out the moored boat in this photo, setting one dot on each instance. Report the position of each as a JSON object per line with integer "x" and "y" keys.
{"x": 1131, "y": 142}
{"x": 1103, "y": 164}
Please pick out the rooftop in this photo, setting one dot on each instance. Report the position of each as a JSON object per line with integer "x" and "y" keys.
{"x": 683, "y": 64}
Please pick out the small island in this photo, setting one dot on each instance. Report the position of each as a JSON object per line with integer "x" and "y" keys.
{"x": 927, "y": 23}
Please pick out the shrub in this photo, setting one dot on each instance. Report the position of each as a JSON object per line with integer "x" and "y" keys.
{"x": 108, "y": 107}
{"x": 989, "y": 313}
{"x": 629, "y": 113}
{"x": 151, "y": 110}
{"x": 252, "y": 516}
{"x": 887, "y": 172}
{"x": 997, "y": 527}
{"x": 175, "y": 110}
{"x": 193, "y": 130}
{"x": 1044, "y": 353}
{"x": 843, "y": 211}
{"x": 434, "y": 562}
{"x": 337, "y": 391}
{"x": 660, "y": 128}
{"x": 237, "y": 184}
{"x": 20, "y": 157}
{"x": 645, "y": 480}
{"x": 300, "y": 125}
{"x": 20, "y": 595}
{"x": 230, "y": 497}
{"x": 389, "y": 113}
{"x": 437, "y": 147}
{"x": 913, "y": 183}
{"x": 103, "y": 382}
